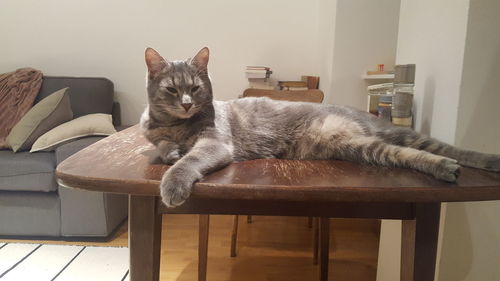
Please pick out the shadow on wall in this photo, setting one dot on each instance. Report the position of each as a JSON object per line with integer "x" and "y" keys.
{"x": 458, "y": 239}
{"x": 471, "y": 247}
{"x": 428, "y": 106}
{"x": 481, "y": 129}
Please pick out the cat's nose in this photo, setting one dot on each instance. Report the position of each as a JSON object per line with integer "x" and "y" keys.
{"x": 186, "y": 106}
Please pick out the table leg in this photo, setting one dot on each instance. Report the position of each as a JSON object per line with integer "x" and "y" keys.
{"x": 324, "y": 247}
{"x": 144, "y": 238}
{"x": 203, "y": 227}
{"x": 315, "y": 240}
{"x": 234, "y": 236}
{"x": 419, "y": 243}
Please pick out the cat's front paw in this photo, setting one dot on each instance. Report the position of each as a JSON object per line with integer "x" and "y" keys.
{"x": 447, "y": 169}
{"x": 171, "y": 157}
{"x": 175, "y": 186}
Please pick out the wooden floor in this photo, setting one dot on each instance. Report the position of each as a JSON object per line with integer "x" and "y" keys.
{"x": 270, "y": 248}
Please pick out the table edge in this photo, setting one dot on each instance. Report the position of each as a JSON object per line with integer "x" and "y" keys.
{"x": 286, "y": 193}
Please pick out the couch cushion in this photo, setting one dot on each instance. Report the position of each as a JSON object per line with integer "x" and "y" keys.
{"x": 26, "y": 171}
{"x": 87, "y": 95}
{"x": 97, "y": 124}
{"x": 66, "y": 150}
{"x": 49, "y": 113}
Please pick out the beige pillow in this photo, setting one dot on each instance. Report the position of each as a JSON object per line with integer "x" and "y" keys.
{"x": 97, "y": 124}
{"x": 50, "y": 112}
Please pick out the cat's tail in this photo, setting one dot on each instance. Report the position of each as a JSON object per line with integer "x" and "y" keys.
{"x": 409, "y": 138}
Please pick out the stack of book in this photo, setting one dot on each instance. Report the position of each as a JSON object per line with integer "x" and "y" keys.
{"x": 292, "y": 85}
{"x": 307, "y": 83}
{"x": 258, "y": 77}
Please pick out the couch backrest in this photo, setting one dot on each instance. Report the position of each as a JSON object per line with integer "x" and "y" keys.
{"x": 87, "y": 95}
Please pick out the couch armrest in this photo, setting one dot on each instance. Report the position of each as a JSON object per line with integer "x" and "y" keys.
{"x": 116, "y": 112}
{"x": 122, "y": 127}
{"x": 66, "y": 150}
{"x": 88, "y": 213}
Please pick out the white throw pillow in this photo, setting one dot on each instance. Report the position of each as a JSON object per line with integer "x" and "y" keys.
{"x": 97, "y": 124}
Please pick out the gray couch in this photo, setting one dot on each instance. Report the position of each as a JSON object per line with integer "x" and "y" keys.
{"x": 31, "y": 201}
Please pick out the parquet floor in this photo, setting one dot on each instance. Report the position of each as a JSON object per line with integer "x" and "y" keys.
{"x": 269, "y": 249}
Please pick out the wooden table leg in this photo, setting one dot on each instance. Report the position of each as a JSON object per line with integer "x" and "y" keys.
{"x": 419, "y": 243}
{"x": 324, "y": 247}
{"x": 144, "y": 238}
{"x": 234, "y": 236}
{"x": 203, "y": 227}
{"x": 315, "y": 240}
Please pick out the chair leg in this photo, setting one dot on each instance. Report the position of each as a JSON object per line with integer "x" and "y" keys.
{"x": 315, "y": 240}
{"x": 234, "y": 236}
{"x": 249, "y": 219}
{"x": 204, "y": 225}
{"x": 324, "y": 238}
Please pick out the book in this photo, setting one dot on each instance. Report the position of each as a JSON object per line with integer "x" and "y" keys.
{"x": 285, "y": 88}
{"x": 312, "y": 81}
{"x": 256, "y": 71}
{"x": 292, "y": 84}
{"x": 258, "y": 68}
{"x": 257, "y": 75}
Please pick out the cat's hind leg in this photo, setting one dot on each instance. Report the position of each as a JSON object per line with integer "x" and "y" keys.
{"x": 410, "y": 138}
{"x": 375, "y": 151}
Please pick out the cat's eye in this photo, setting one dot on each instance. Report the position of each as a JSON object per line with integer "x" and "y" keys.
{"x": 194, "y": 89}
{"x": 172, "y": 90}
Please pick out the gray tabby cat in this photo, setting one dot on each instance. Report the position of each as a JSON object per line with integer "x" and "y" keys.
{"x": 200, "y": 135}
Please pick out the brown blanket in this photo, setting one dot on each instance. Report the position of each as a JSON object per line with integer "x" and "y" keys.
{"x": 18, "y": 91}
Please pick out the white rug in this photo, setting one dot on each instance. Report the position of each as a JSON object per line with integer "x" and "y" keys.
{"x": 45, "y": 262}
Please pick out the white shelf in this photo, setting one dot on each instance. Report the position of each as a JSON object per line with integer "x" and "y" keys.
{"x": 378, "y": 77}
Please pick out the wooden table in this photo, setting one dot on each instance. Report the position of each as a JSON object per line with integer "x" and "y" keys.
{"x": 121, "y": 164}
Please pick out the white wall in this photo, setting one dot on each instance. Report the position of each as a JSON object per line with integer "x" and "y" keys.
{"x": 432, "y": 35}
{"x": 108, "y": 38}
{"x": 365, "y": 35}
{"x": 328, "y": 13}
{"x": 456, "y": 47}
{"x": 471, "y": 236}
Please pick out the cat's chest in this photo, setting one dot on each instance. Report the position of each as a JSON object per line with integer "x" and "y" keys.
{"x": 156, "y": 132}
{"x": 179, "y": 135}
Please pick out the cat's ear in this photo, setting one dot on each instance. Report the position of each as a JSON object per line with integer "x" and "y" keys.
{"x": 201, "y": 59}
{"x": 155, "y": 62}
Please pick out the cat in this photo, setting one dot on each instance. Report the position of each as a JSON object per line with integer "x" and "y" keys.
{"x": 198, "y": 135}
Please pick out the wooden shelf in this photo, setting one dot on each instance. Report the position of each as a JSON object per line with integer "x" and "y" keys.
{"x": 378, "y": 77}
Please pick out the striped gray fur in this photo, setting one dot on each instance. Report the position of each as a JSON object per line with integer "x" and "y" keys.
{"x": 198, "y": 135}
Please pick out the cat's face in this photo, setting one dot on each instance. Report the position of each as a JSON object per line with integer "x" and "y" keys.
{"x": 178, "y": 88}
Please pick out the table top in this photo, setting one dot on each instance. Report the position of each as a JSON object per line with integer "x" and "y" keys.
{"x": 125, "y": 163}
